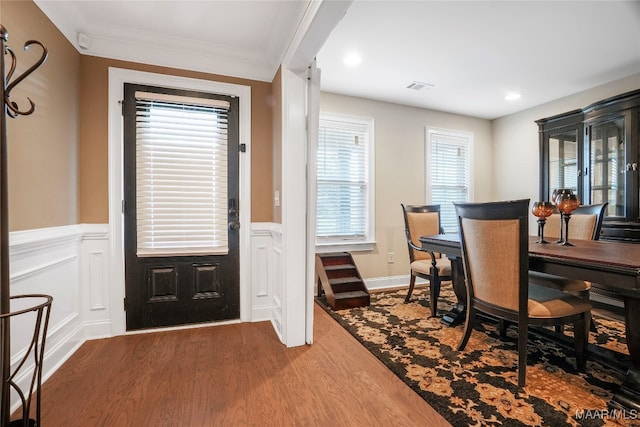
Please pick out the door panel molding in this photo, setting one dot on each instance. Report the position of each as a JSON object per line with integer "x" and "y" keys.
{"x": 117, "y": 78}
{"x": 206, "y": 281}
{"x": 163, "y": 284}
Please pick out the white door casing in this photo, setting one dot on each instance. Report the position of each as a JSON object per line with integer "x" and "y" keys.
{"x": 297, "y": 259}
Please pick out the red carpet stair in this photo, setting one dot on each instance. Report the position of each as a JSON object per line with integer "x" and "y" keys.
{"x": 340, "y": 281}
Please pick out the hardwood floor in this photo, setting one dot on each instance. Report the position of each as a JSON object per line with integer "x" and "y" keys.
{"x": 235, "y": 375}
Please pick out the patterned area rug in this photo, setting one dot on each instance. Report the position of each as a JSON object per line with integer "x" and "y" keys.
{"x": 478, "y": 387}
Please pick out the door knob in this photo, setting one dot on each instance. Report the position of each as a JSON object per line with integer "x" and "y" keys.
{"x": 234, "y": 225}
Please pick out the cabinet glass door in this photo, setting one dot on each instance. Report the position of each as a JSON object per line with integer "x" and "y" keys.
{"x": 563, "y": 161}
{"x": 607, "y": 165}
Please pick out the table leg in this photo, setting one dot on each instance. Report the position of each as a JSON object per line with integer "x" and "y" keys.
{"x": 457, "y": 314}
{"x": 627, "y": 398}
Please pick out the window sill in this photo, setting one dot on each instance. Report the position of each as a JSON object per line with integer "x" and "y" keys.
{"x": 323, "y": 248}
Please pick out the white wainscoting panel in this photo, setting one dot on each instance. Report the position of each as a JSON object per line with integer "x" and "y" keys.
{"x": 261, "y": 274}
{"x": 277, "y": 309}
{"x": 47, "y": 261}
{"x": 70, "y": 263}
{"x": 265, "y": 267}
{"x": 266, "y": 273}
{"x": 95, "y": 281}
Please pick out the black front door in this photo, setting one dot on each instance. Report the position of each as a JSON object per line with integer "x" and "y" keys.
{"x": 175, "y": 272}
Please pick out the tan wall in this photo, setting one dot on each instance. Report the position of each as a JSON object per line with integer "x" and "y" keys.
{"x": 94, "y": 202}
{"x": 42, "y": 147}
{"x": 400, "y": 169}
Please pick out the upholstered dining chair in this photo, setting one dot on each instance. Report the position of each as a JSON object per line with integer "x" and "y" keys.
{"x": 424, "y": 220}
{"x": 585, "y": 224}
{"x": 495, "y": 255}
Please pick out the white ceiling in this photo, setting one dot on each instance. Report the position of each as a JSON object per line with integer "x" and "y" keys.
{"x": 472, "y": 52}
{"x": 476, "y": 52}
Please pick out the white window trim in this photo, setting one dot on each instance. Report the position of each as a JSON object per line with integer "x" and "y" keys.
{"x": 369, "y": 243}
{"x": 429, "y": 132}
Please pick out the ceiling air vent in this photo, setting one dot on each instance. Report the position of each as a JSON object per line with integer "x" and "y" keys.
{"x": 419, "y": 86}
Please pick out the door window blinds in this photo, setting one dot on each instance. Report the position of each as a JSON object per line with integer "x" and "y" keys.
{"x": 181, "y": 175}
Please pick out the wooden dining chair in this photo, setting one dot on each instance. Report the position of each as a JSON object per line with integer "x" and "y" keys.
{"x": 585, "y": 224}
{"x": 495, "y": 255}
{"x": 424, "y": 220}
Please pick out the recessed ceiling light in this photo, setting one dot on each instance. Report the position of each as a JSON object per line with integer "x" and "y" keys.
{"x": 352, "y": 59}
{"x": 512, "y": 96}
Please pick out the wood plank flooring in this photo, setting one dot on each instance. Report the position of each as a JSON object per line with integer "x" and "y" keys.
{"x": 234, "y": 375}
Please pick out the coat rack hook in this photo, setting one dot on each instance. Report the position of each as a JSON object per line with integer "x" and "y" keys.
{"x": 14, "y": 110}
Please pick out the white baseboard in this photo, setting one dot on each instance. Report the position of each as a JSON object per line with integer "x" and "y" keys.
{"x": 261, "y": 314}
{"x": 58, "y": 354}
{"x": 98, "y": 329}
{"x": 390, "y": 282}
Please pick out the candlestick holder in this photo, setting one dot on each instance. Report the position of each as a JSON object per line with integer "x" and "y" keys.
{"x": 567, "y": 203}
{"x": 542, "y": 210}
{"x": 554, "y": 197}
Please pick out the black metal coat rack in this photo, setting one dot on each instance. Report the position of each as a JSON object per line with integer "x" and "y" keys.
{"x": 43, "y": 306}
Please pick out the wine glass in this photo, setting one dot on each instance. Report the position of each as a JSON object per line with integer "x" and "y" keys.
{"x": 554, "y": 196}
{"x": 542, "y": 210}
{"x": 567, "y": 203}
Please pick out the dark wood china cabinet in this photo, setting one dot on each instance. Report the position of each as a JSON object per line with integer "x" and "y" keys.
{"x": 596, "y": 152}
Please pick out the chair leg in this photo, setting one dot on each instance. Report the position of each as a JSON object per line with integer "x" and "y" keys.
{"x": 586, "y": 295}
{"x": 522, "y": 354}
{"x": 588, "y": 321}
{"x": 581, "y": 333}
{"x": 468, "y": 327}
{"x": 502, "y": 328}
{"x": 434, "y": 291}
{"x": 592, "y": 326}
{"x": 412, "y": 284}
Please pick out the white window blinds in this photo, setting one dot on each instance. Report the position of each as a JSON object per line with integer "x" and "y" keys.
{"x": 342, "y": 180}
{"x": 181, "y": 175}
{"x": 448, "y": 167}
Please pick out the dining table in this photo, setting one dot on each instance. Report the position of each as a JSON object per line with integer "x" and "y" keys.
{"x": 613, "y": 267}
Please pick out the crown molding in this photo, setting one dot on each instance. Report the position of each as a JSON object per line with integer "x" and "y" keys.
{"x": 160, "y": 50}
{"x": 196, "y": 57}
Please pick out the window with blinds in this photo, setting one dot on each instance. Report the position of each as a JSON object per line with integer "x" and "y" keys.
{"x": 448, "y": 177}
{"x": 344, "y": 198}
{"x": 181, "y": 175}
